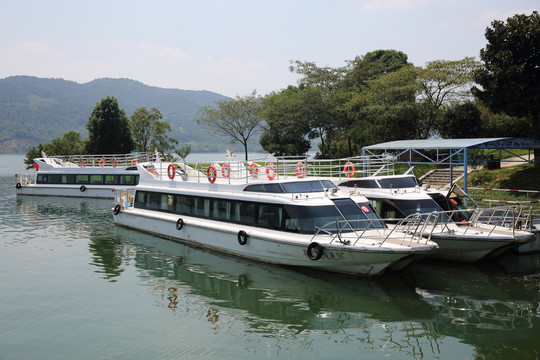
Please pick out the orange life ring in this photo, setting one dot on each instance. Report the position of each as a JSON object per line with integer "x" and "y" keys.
{"x": 271, "y": 171}
{"x": 225, "y": 170}
{"x": 300, "y": 170}
{"x": 101, "y": 163}
{"x": 254, "y": 170}
{"x": 134, "y": 162}
{"x": 349, "y": 169}
{"x": 171, "y": 171}
{"x": 82, "y": 163}
{"x": 114, "y": 162}
{"x": 211, "y": 173}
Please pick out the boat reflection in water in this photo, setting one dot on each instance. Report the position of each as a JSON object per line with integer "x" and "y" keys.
{"x": 484, "y": 304}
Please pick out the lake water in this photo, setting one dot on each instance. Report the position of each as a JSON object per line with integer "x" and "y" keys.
{"x": 74, "y": 286}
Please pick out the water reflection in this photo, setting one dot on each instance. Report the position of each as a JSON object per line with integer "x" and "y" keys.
{"x": 494, "y": 306}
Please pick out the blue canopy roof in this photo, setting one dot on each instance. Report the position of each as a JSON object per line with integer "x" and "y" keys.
{"x": 478, "y": 143}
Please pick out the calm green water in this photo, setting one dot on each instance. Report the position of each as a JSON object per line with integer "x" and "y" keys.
{"x": 74, "y": 286}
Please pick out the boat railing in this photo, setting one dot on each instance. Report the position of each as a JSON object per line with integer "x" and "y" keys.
{"x": 489, "y": 219}
{"x": 286, "y": 167}
{"x": 99, "y": 160}
{"x": 413, "y": 229}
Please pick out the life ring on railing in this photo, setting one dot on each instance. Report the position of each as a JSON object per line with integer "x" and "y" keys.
{"x": 225, "y": 170}
{"x": 82, "y": 163}
{"x": 349, "y": 169}
{"x": 179, "y": 224}
{"x": 271, "y": 171}
{"x": 211, "y": 173}
{"x": 300, "y": 170}
{"x": 116, "y": 210}
{"x": 254, "y": 170}
{"x": 134, "y": 162}
{"x": 242, "y": 237}
{"x": 101, "y": 162}
{"x": 114, "y": 162}
{"x": 314, "y": 251}
{"x": 171, "y": 171}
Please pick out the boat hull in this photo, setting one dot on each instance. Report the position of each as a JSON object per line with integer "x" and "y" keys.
{"x": 89, "y": 191}
{"x": 274, "y": 247}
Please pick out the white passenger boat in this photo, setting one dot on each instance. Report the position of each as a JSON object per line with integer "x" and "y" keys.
{"x": 462, "y": 234}
{"x": 292, "y": 221}
{"x": 93, "y": 176}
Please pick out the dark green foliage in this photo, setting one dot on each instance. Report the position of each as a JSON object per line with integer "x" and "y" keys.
{"x": 69, "y": 144}
{"x": 108, "y": 129}
{"x": 510, "y": 78}
{"x": 461, "y": 121}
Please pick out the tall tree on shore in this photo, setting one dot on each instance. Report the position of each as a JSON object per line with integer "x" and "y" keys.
{"x": 108, "y": 129}
{"x": 510, "y": 78}
{"x": 238, "y": 118}
{"x": 149, "y": 133}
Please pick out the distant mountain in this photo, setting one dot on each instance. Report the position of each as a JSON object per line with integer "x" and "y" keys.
{"x": 36, "y": 110}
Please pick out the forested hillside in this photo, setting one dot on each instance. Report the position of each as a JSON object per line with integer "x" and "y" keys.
{"x": 35, "y": 110}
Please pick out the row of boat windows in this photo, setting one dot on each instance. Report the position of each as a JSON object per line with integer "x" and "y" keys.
{"x": 301, "y": 219}
{"x": 87, "y": 179}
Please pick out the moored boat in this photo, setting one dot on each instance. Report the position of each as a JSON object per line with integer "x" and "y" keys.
{"x": 93, "y": 176}
{"x": 296, "y": 221}
{"x": 462, "y": 234}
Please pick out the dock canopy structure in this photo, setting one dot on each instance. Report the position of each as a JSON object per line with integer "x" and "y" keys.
{"x": 452, "y": 152}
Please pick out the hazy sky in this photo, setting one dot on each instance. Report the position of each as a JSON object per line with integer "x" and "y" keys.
{"x": 232, "y": 47}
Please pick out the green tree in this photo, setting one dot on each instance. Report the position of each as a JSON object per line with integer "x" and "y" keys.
{"x": 287, "y": 125}
{"x": 238, "y": 118}
{"x": 510, "y": 77}
{"x": 443, "y": 83}
{"x": 149, "y": 133}
{"x": 108, "y": 129}
{"x": 69, "y": 144}
{"x": 461, "y": 121}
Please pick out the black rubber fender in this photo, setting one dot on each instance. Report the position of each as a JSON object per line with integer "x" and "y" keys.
{"x": 18, "y": 186}
{"x": 116, "y": 209}
{"x": 179, "y": 224}
{"x": 82, "y": 188}
{"x": 315, "y": 251}
{"x": 242, "y": 237}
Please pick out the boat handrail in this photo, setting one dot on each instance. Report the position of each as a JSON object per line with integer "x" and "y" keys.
{"x": 289, "y": 167}
{"x": 98, "y": 160}
{"x": 411, "y": 230}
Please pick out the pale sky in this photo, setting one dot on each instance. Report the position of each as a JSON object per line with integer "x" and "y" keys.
{"x": 232, "y": 47}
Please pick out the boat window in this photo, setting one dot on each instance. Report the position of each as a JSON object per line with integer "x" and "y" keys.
{"x": 307, "y": 186}
{"x": 398, "y": 182}
{"x": 42, "y": 179}
{"x": 110, "y": 179}
{"x": 96, "y": 179}
{"x": 68, "y": 179}
{"x": 221, "y": 209}
{"x": 270, "y": 216}
{"x": 361, "y": 216}
{"x": 363, "y": 184}
{"x": 244, "y": 213}
{"x": 421, "y": 206}
{"x": 309, "y": 219}
{"x": 267, "y": 188}
{"x": 129, "y": 179}
{"x": 82, "y": 179}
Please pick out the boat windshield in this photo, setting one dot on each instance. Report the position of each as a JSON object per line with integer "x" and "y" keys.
{"x": 398, "y": 182}
{"x": 421, "y": 206}
{"x": 304, "y": 219}
{"x": 361, "y": 183}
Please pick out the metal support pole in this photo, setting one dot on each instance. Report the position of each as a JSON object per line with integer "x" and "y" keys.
{"x": 465, "y": 161}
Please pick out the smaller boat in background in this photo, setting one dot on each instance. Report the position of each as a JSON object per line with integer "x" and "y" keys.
{"x": 88, "y": 176}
